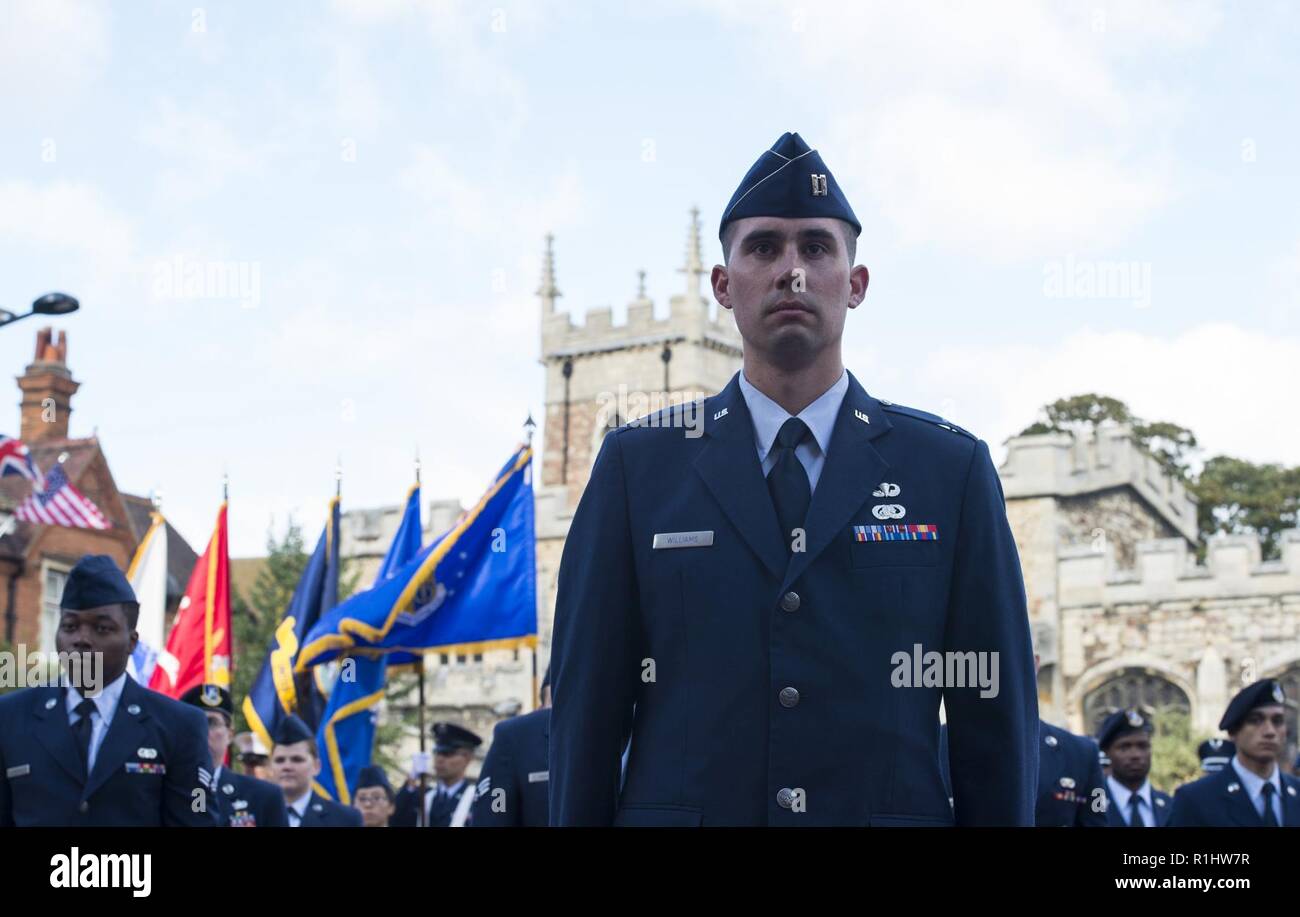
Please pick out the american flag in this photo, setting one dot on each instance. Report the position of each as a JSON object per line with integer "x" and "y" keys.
{"x": 16, "y": 460}
{"x": 59, "y": 503}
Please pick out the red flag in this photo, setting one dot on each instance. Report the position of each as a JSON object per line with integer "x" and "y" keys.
{"x": 198, "y": 648}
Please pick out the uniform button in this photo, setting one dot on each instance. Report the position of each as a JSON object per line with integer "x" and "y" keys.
{"x": 84, "y": 807}
{"x": 789, "y": 697}
{"x": 785, "y": 798}
{"x": 790, "y": 601}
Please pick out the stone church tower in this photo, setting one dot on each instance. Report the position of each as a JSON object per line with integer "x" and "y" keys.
{"x": 600, "y": 375}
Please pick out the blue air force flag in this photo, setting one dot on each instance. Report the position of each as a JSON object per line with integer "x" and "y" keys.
{"x": 471, "y": 590}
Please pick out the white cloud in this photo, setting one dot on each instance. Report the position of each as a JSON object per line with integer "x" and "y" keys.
{"x": 202, "y": 148}
{"x": 1001, "y": 130}
{"x": 51, "y": 48}
{"x": 71, "y": 217}
{"x": 1234, "y": 388}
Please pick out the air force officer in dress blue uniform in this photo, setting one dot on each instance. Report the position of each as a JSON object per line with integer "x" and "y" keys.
{"x": 754, "y": 589}
{"x": 106, "y": 754}
{"x": 1250, "y": 791}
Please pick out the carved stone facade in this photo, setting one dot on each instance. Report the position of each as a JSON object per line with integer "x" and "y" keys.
{"x": 1121, "y": 612}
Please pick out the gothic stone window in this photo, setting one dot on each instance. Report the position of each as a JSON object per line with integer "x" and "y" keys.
{"x": 1131, "y": 688}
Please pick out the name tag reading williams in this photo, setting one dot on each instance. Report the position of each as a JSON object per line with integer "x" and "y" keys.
{"x": 682, "y": 540}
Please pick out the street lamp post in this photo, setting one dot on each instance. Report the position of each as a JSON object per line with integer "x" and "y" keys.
{"x": 49, "y": 304}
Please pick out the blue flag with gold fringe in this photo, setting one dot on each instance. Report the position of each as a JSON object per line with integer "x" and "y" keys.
{"x": 346, "y": 736}
{"x": 471, "y": 590}
{"x": 280, "y": 688}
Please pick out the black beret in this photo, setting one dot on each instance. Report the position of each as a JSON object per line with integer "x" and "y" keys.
{"x": 1215, "y": 754}
{"x": 374, "y": 775}
{"x": 95, "y": 581}
{"x": 1120, "y": 723}
{"x": 1262, "y": 693}
{"x": 450, "y": 737}
{"x": 209, "y": 697}
{"x": 789, "y": 180}
{"x": 293, "y": 730}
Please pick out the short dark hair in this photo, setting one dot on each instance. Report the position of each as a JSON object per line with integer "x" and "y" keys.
{"x": 850, "y": 241}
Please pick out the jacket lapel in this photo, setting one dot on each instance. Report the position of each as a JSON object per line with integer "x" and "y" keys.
{"x": 54, "y": 733}
{"x": 1236, "y": 799}
{"x": 125, "y": 735}
{"x": 852, "y": 471}
{"x": 1290, "y": 803}
{"x": 728, "y": 463}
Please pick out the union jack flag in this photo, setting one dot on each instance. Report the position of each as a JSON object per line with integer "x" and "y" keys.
{"x": 15, "y": 459}
{"x": 59, "y": 503}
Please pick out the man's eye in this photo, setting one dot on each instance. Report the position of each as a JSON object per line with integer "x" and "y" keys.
{"x": 760, "y": 248}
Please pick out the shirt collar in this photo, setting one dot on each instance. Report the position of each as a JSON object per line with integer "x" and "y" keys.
{"x": 1254, "y": 783}
{"x": 1122, "y": 793}
{"x": 105, "y": 701}
{"x": 448, "y": 790}
{"x": 768, "y": 416}
{"x": 299, "y": 805}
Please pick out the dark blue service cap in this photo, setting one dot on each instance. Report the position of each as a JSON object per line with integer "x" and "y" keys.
{"x": 293, "y": 730}
{"x": 374, "y": 775}
{"x": 1263, "y": 693}
{"x": 209, "y": 697}
{"x": 789, "y": 180}
{"x": 449, "y": 737}
{"x": 1215, "y": 754}
{"x": 1122, "y": 722}
{"x": 95, "y": 581}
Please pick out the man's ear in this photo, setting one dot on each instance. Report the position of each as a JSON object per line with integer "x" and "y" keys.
{"x": 316, "y": 771}
{"x": 859, "y": 277}
{"x": 720, "y": 283}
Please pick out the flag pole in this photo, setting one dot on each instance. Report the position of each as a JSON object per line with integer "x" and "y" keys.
{"x": 530, "y": 426}
{"x": 422, "y": 821}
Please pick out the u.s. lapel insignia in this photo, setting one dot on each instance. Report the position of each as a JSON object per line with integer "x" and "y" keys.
{"x": 720, "y": 414}
{"x": 49, "y": 704}
{"x": 1290, "y": 791}
{"x": 861, "y": 416}
{"x": 1160, "y": 802}
{"x": 1067, "y": 782}
{"x": 1050, "y": 741}
{"x": 317, "y": 807}
{"x": 887, "y": 490}
{"x": 1233, "y": 787}
{"x": 228, "y": 789}
{"x": 134, "y": 709}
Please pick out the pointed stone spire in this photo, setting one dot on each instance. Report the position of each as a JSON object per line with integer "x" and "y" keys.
{"x": 694, "y": 267}
{"x": 640, "y": 284}
{"x": 548, "y": 290}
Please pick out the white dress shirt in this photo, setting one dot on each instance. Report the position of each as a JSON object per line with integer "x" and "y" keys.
{"x": 768, "y": 417}
{"x": 299, "y": 806}
{"x": 105, "y": 707}
{"x": 1121, "y": 794}
{"x": 1254, "y": 786}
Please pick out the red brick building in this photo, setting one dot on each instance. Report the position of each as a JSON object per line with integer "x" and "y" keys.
{"x": 35, "y": 559}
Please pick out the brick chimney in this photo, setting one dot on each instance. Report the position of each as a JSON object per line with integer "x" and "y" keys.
{"x": 47, "y": 389}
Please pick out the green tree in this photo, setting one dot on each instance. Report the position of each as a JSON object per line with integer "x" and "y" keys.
{"x": 1173, "y": 750}
{"x": 1239, "y": 496}
{"x": 1079, "y": 414}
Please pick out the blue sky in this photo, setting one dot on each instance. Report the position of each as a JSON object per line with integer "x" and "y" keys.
{"x": 389, "y": 169}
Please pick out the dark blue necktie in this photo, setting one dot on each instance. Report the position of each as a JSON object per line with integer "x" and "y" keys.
{"x": 1270, "y": 817}
{"x": 82, "y": 729}
{"x": 1134, "y": 815}
{"x": 787, "y": 482}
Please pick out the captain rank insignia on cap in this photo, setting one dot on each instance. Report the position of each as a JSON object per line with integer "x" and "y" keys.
{"x": 789, "y": 181}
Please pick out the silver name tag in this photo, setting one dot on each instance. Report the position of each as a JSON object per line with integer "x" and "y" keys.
{"x": 682, "y": 540}
{"x": 21, "y": 770}
{"x": 539, "y": 776}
